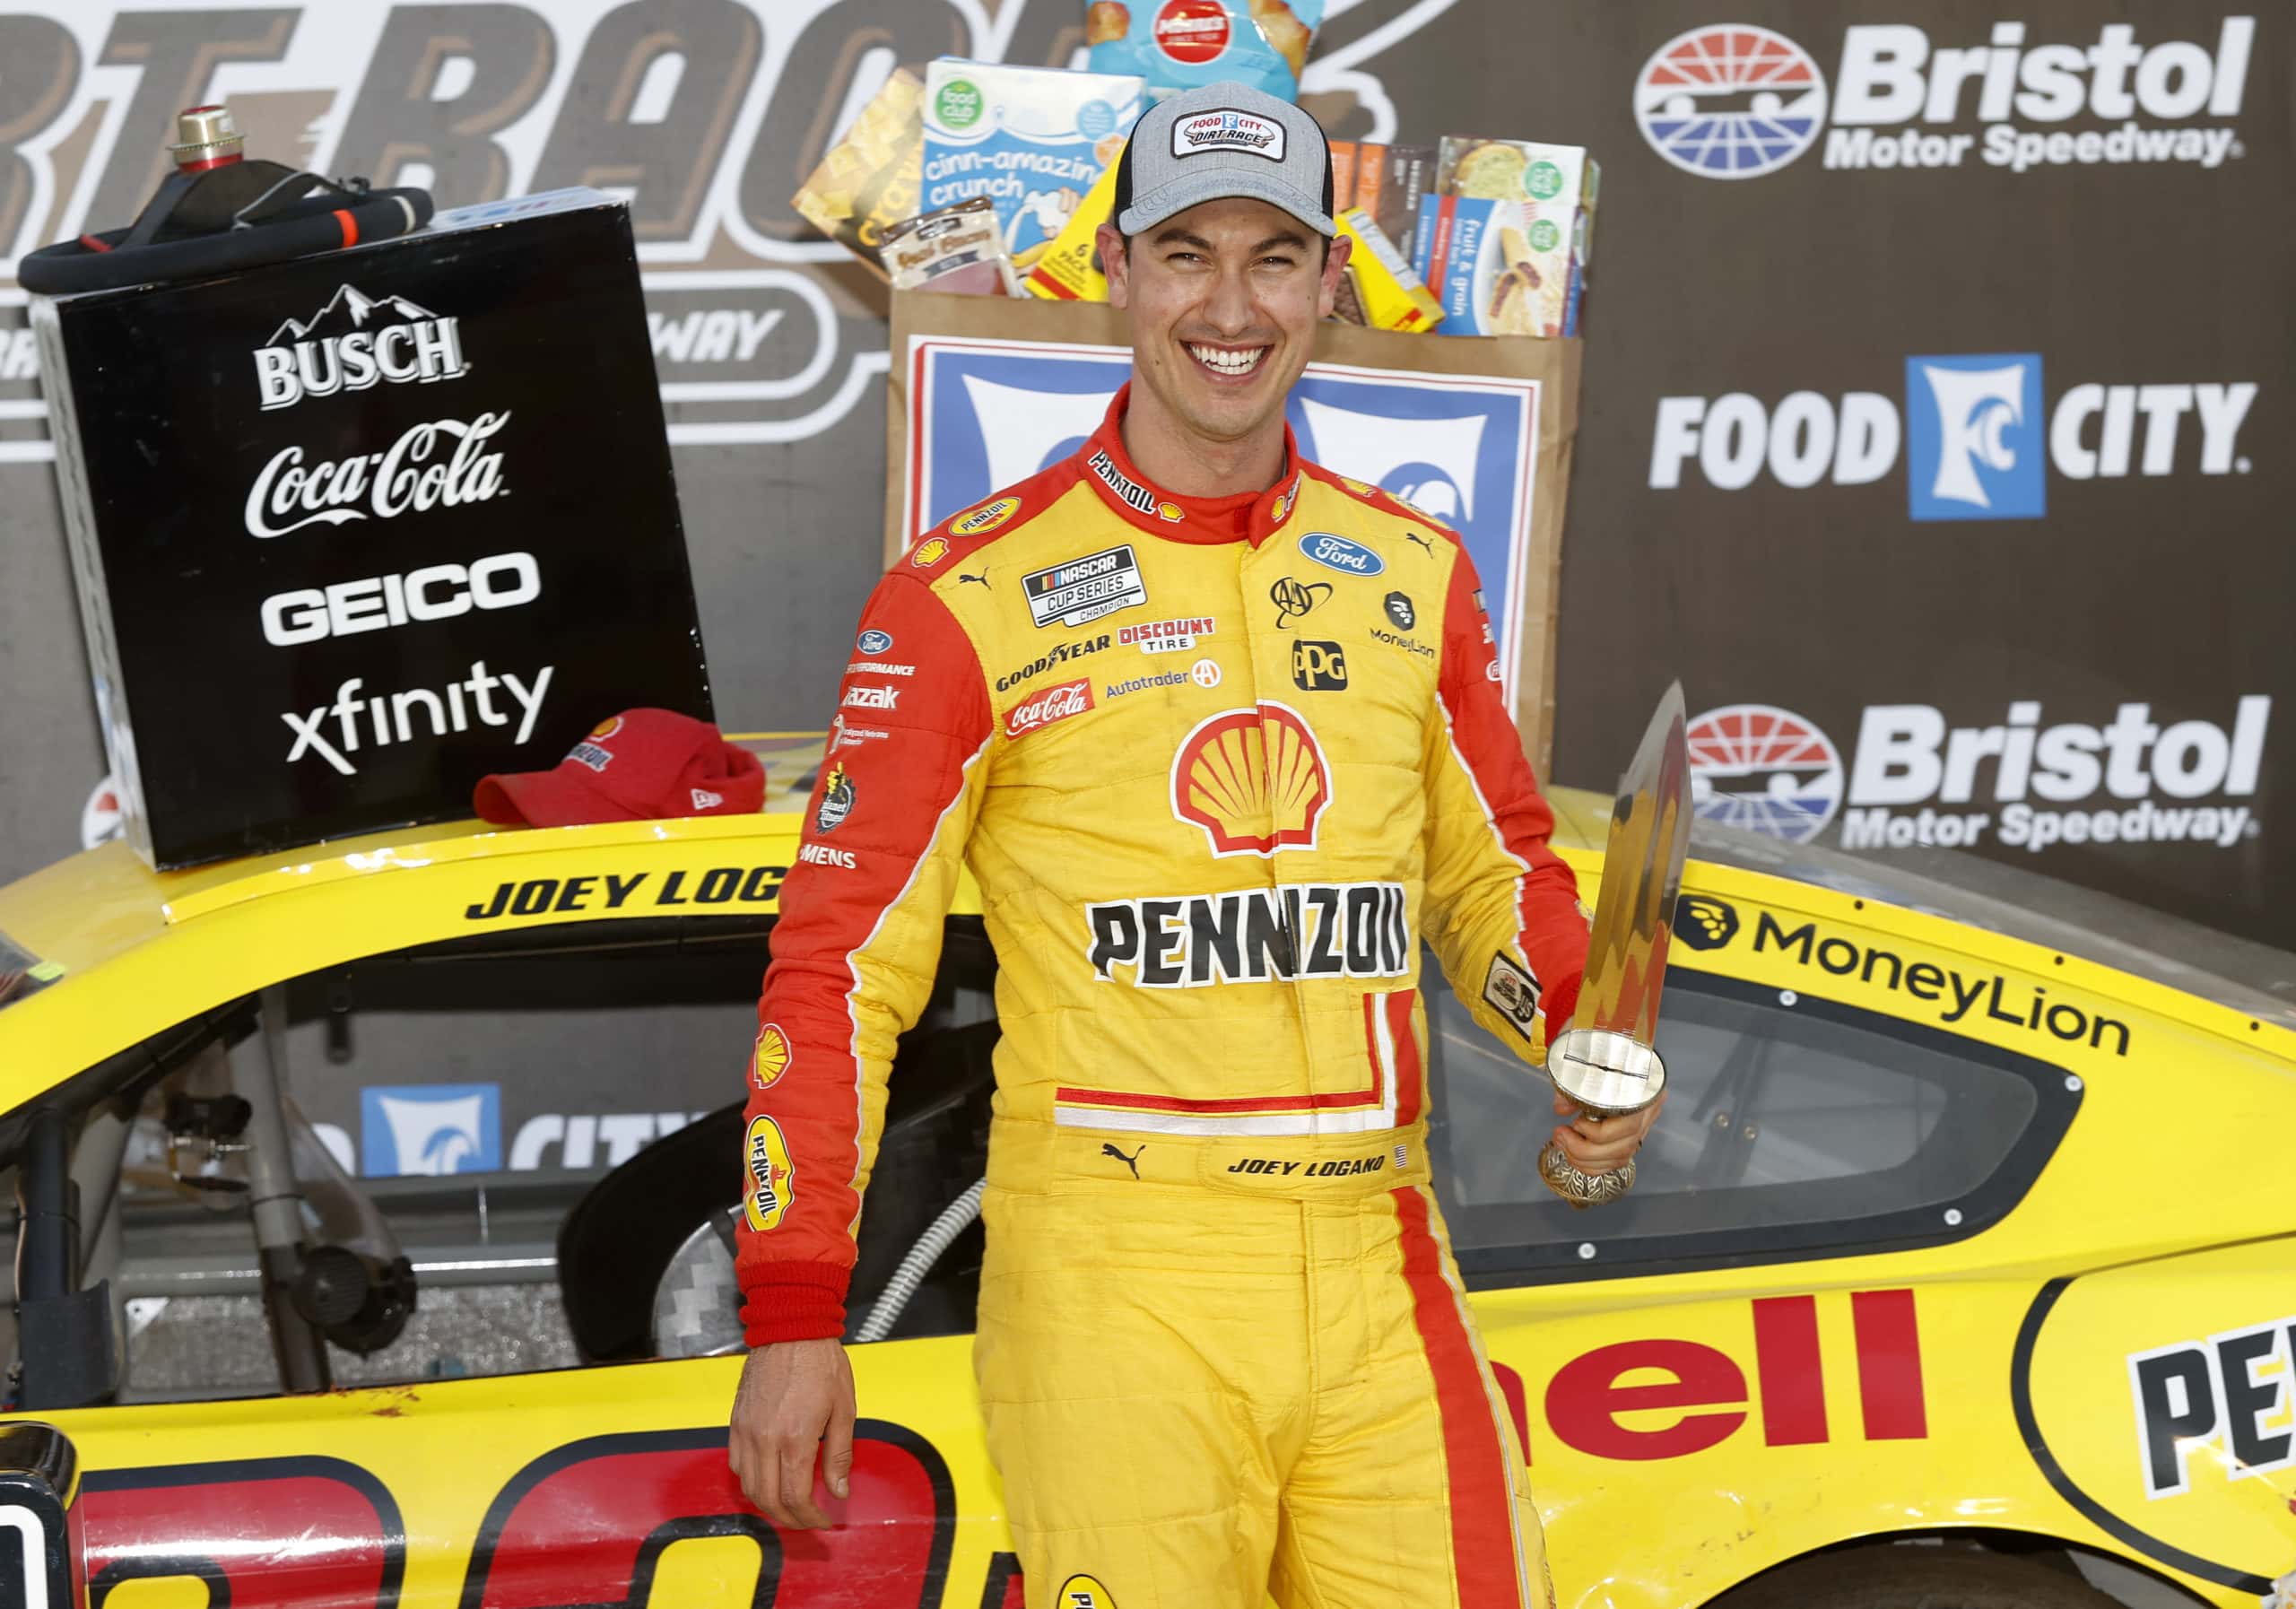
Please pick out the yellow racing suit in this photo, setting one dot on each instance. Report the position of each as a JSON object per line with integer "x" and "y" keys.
{"x": 1218, "y": 766}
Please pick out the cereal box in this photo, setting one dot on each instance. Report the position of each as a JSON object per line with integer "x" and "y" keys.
{"x": 1030, "y": 140}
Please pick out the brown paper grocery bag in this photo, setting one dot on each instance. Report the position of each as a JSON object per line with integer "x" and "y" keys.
{"x": 926, "y": 325}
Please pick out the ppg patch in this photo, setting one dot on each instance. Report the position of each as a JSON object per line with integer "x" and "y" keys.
{"x": 1512, "y": 992}
{"x": 1083, "y": 589}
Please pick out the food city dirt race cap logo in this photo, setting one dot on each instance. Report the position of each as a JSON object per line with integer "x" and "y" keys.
{"x": 1730, "y": 100}
{"x": 1914, "y": 779}
{"x": 1253, "y": 779}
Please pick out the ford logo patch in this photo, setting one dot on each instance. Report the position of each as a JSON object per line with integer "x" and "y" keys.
{"x": 1340, "y": 554}
{"x": 875, "y": 642}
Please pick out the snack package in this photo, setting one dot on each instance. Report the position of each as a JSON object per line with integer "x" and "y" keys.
{"x": 1070, "y": 268}
{"x": 1504, "y": 240}
{"x": 1378, "y": 288}
{"x": 959, "y": 250}
{"x": 1391, "y": 186}
{"x": 869, "y": 178}
{"x": 1030, "y": 140}
{"x": 1178, "y": 45}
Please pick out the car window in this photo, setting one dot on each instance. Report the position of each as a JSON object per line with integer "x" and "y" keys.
{"x": 476, "y": 1092}
{"x": 1793, "y": 1124}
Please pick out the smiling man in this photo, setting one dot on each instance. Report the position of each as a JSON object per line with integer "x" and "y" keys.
{"x": 1219, "y": 734}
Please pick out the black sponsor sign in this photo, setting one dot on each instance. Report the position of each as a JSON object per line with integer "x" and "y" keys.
{"x": 351, "y": 532}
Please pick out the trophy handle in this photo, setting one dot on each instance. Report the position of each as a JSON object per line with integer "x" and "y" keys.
{"x": 1608, "y": 1075}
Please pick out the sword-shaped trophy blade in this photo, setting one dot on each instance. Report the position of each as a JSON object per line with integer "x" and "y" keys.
{"x": 1642, "y": 873}
{"x": 1606, "y": 1060}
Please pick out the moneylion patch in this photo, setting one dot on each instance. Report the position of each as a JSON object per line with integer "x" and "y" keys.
{"x": 1078, "y": 590}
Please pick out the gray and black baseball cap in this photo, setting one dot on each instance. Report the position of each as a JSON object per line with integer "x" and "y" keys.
{"x": 1225, "y": 139}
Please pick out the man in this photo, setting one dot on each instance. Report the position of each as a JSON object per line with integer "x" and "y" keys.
{"x": 1220, "y": 736}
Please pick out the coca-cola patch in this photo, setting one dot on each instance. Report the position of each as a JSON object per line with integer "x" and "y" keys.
{"x": 1053, "y": 704}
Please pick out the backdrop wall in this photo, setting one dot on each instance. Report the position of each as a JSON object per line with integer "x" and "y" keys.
{"x": 1937, "y": 382}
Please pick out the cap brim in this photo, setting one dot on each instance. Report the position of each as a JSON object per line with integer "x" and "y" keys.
{"x": 1222, "y": 184}
{"x": 543, "y": 799}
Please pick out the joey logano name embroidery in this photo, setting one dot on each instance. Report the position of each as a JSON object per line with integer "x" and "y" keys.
{"x": 1292, "y": 931}
{"x": 1060, "y": 653}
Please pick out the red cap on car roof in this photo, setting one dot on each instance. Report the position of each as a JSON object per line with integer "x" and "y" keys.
{"x": 643, "y": 765}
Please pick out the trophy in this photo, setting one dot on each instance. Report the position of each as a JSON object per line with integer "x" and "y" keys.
{"x": 1604, "y": 1061}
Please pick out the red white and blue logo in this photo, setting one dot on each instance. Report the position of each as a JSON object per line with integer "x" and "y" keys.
{"x": 1730, "y": 100}
{"x": 1764, "y": 770}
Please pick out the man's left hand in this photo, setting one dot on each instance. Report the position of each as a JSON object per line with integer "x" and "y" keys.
{"x": 1603, "y": 1145}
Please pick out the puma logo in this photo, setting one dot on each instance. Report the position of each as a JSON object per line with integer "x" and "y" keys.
{"x": 1132, "y": 1162}
{"x": 1416, "y": 537}
{"x": 982, "y": 578}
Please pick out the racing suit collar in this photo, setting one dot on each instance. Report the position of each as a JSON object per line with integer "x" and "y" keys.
{"x": 1244, "y": 516}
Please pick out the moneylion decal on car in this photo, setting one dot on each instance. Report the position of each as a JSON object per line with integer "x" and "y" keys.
{"x": 1292, "y": 931}
{"x": 1957, "y": 995}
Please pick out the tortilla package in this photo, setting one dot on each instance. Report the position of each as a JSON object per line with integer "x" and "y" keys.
{"x": 1181, "y": 44}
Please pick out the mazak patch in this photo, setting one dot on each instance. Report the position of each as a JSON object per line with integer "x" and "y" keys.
{"x": 1078, "y": 590}
{"x": 1512, "y": 992}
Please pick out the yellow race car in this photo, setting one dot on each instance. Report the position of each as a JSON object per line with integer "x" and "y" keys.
{"x": 1961, "y": 1270}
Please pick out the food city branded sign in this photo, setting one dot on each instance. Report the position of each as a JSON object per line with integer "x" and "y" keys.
{"x": 1734, "y": 100}
{"x": 1978, "y": 441}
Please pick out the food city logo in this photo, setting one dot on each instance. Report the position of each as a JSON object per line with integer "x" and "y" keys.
{"x": 437, "y": 1129}
{"x": 1227, "y": 129}
{"x": 1979, "y": 439}
{"x": 1731, "y": 100}
{"x": 351, "y": 345}
{"x": 2131, "y": 780}
{"x": 727, "y": 106}
{"x": 1253, "y": 779}
{"x": 2233, "y": 1394}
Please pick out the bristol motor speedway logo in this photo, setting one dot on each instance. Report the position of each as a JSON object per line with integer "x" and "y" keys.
{"x": 984, "y": 415}
{"x": 1914, "y": 779}
{"x": 726, "y": 107}
{"x": 1730, "y": 100}
{"x": 1978, "y": 435}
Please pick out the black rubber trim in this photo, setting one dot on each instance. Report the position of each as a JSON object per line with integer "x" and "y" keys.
{"x": 2020, "y": 1398}
{"x": 69, "y": 267}
{"x": 506, "y": 1503}
{"x": 360, "y": 1480}
{"x": 1557, "y": 1261}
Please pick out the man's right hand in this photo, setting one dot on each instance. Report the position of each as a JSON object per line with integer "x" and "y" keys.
{"x": 796, "y": 1400}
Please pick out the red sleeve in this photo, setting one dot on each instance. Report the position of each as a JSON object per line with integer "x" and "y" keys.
{"x": 855, "y": 951}
{"x": 1501, "y": 908}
